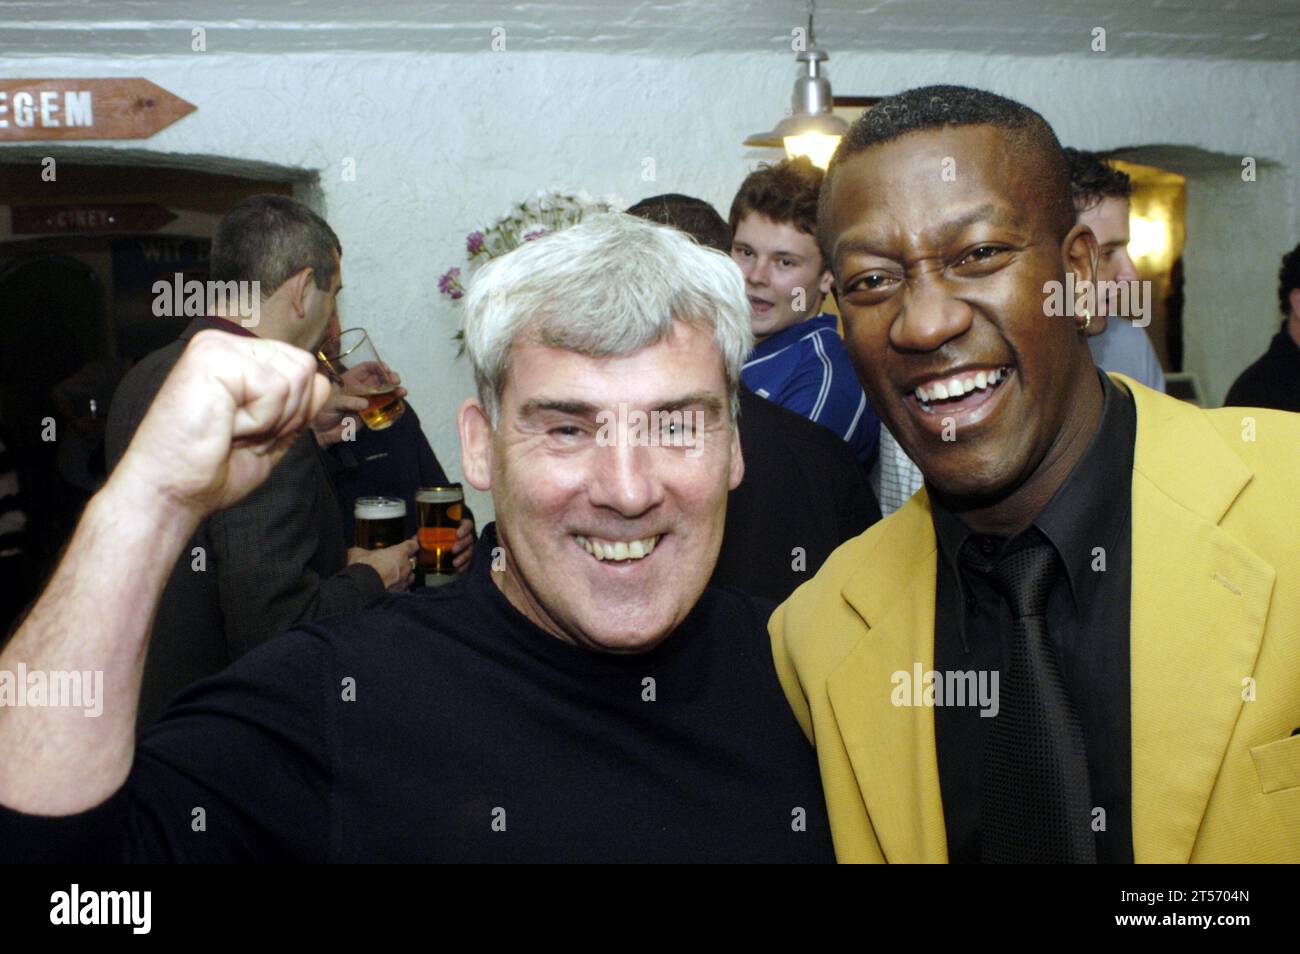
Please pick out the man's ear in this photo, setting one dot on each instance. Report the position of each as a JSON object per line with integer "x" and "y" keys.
{"x": 827, "y": 282}
{"x": 737, "y": 473}
{"x": 300, "y": 285}
{"x": 1294, "y": 299}
{"x": 1079, "y": 254}
{"x": 475, "y": 444}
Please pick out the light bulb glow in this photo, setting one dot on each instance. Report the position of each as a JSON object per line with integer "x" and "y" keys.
{"x": 818, "y": 147}
{"x": 1148, "y": 237}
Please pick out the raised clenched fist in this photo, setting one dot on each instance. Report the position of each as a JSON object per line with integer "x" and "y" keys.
{"x": 222, "y": 420}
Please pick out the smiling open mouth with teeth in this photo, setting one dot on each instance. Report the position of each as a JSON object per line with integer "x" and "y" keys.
{"x": 618, "y": 550}
{"x": 966, "y": 389}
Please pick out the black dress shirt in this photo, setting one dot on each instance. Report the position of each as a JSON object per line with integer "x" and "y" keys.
{"x": 1087, "y": 620}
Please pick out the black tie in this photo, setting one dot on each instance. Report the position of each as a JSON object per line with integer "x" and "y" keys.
{"x": 1036, "y": 802}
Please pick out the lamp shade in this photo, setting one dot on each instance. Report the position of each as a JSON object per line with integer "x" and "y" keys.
{"x": 811, "y": 127}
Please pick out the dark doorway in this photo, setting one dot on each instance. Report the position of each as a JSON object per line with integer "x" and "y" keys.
{"x": 76, "y": 311}
{"x": 53, "y": 323}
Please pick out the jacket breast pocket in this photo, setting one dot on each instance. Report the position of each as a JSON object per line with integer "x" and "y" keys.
{"x": 1278, "y": 764}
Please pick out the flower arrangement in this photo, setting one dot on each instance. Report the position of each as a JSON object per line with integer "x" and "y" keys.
{"x": 547, "y": 211}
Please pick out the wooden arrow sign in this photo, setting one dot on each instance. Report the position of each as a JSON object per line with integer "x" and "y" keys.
{"x": 41, "y": 109}
{"x": 42, "y": 219}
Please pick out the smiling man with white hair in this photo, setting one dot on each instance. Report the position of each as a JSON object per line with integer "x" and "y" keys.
{"x": 608, "y": 540}
{"x": 578, "y": 695}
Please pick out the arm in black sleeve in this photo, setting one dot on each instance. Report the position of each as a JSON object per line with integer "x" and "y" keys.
{"x": 239, "y": 769}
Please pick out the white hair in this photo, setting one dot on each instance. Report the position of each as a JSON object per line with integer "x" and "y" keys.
{"x": 608, "y": 286}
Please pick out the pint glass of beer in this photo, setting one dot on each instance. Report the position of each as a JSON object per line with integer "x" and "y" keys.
{"x": 439, "y": 513}
{"x": 353, "y": 363}
{"x": 380, "y": 522}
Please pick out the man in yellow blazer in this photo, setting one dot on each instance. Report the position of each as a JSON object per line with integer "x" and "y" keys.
{"x": 1171, "y": 698}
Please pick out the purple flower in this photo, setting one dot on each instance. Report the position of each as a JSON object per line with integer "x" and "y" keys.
{"x": 474, "y": 242}
{"x": 449, "y": 284}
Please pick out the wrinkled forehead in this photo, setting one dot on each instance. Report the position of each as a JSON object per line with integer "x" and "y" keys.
{"x": 687, "y": 361}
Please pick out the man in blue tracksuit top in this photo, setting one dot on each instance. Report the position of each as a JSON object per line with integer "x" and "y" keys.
{"x": 799, "y": 361}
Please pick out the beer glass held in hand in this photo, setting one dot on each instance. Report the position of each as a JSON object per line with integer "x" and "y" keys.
{"x": 438, "y": 510}
{"x": 353, "y": 362}
{"x": 380, "y": 522}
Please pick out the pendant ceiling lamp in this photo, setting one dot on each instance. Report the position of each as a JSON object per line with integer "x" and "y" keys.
{"x": 811, "y": 129}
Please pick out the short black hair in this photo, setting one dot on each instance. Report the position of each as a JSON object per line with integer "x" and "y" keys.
{"x": 1288, "y": 278}
{"x": 1092, "y": 180}
{"x": 688, "y": 214}
{"x": 271, "y": 238}
{"x": 936, "y": 107}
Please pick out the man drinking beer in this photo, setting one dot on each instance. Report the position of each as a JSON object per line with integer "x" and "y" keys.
{"x": 280, "y": 556}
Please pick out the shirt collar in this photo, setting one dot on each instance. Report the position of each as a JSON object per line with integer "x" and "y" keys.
{"x": 215, "y": 323}
{"x": 1093, "y": 506}
{"x": 789, "y": 335}
{"x": 1088, "y": 511}
{"x": 225, "y": 324}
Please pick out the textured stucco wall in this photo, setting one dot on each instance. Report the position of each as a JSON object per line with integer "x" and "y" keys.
{"x": 444, "y": 143}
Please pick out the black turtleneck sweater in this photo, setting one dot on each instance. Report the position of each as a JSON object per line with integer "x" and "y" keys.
{"x": 444, "y": 726}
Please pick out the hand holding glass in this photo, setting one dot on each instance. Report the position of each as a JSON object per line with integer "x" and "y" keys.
{"x": 354, "y": 364}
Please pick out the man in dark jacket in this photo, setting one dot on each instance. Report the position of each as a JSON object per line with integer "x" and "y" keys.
{"x": 278, "y": 557}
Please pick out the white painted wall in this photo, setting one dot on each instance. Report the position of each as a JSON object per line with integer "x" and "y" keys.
{"x": 444, "y": 143}
{"x": 1241, "y": 231}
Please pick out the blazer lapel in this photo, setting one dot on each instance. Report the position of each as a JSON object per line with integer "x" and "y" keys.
{"x": 1198, "y": 607}
{"x": 892, "y": 748}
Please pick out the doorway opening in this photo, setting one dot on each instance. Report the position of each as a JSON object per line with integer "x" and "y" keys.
{"x": 82, "y": 242}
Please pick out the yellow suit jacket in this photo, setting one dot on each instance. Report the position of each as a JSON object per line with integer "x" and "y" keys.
{"x": 1214, "y": 652}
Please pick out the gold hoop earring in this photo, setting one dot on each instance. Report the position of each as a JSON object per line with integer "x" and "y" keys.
{"x": 1087, "y": 320}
